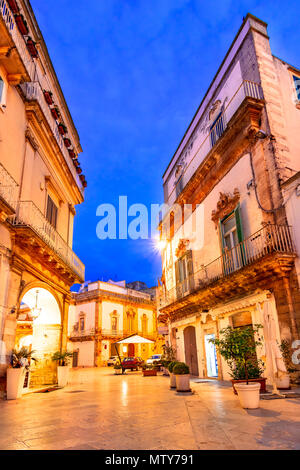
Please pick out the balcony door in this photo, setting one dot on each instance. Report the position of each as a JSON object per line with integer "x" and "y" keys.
{"x": 184, "y": 274}
{"x": 232, "y": 236}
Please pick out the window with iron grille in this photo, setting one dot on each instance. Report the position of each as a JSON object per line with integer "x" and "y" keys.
{"x": 297, "y": 86}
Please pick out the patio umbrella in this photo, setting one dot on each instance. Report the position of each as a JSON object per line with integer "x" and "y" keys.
{"x": 132, "y": 339}
{"x": 276, "y": 364}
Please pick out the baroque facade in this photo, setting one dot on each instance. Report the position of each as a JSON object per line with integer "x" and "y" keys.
{"x": 40, "y": 184}
{"x": 233, "y": 172}
{"x": 105, "y": 312}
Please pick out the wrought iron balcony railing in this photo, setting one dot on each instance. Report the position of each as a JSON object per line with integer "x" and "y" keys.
{"x": 33, "y": 91}
{"x": 81, "y": 333}
{"x": 28, "y": 214}
{"x": 17, "y": 38}
{"x": 245, "y": 90}
{"x": 270, "y": 239}
{"x": 8, "y": 188}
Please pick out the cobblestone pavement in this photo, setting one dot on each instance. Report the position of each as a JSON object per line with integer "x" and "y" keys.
{"x": 100, "y": 410}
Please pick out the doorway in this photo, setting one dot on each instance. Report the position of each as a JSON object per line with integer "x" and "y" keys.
{"x": 130, "y": 350}
{"x": 211, "y": 356}
{"x": 190, "y": 348}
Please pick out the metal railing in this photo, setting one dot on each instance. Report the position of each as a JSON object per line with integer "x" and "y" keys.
{"x": 8, "y": 188}
{"x": 269, "y": 239}
{"x": 28, "y": 214}
{"x": 18, "y": 39}
{"x": 246, "y": 89}
{"x": 33, "y": 91}
{"x": 80, "y": 333}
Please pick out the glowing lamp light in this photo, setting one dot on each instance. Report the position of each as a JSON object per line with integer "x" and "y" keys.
{"x": 35, "y": 311}
{"x": 161, "y": 244}
{"x": 124, "y": 349}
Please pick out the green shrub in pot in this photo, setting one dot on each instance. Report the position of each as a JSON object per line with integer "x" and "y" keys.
{"x": 171, "y": 365}
{"x": 180, "y": 368}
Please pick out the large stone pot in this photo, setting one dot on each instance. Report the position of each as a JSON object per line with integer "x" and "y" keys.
{"x": 14, "y": 383}
{"x": 172, "y": 380}
{"x": 261, "y": 380}
{"x": 62, "y": 375}
{"x": 183, "y": 383}
{"x": 248, "y": 394}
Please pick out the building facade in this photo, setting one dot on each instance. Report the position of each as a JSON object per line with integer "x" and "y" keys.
{"x": 226, "y": 178}
{"x": 105, "y": 312}
{"x": 40, "y": 184}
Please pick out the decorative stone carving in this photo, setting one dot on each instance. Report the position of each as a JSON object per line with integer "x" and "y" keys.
{"x": 182, "y": 247}
{"x": 225, "y": 205}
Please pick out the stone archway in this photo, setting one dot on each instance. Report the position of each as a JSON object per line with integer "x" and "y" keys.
{"x": 190, "y": 348}
{"x": 41, "y": 334}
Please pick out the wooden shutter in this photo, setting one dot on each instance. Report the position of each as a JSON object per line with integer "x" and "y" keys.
{"x": 177, "y": 278}
{"x": 238, "y": 221}
{"x": 240, "y": 234}
{"x": 1, "y": 88}
{"x": 190, "y": 268}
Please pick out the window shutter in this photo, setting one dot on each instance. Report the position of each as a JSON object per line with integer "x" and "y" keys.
{"x": 1, "y": 88}
{"x": 238, "y": 220}
{"x": 221, "y": 235}
{"x": 190, "y": 268}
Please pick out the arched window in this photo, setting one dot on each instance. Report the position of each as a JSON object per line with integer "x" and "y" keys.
{"x": 114, "y": 320}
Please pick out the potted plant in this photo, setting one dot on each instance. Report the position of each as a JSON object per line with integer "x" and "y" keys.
{"x": 78, "y": 170}
{"x": 149, "y": 371}
{"x": 67, "y": 142}
{"x": 283, "y": 382}
{"x": 31, "y": 46}
{"x": 118, "y": 368}
{"x": 172, "y": 376}
{"x": 15, "y": 377}
{"x": 238, "y": 347}
{"x": 182, "y": 375}
{"x": 72, "y": 153}
{"x": 55, "y": 112}
{"x": 21, "y": 23}
{"x": 48, "y": 96}
{"x": 168, "y": 356}
{"x": 164, "y": 366}
{"x": 62, "y": 359}
{"x": 84, "y": 183}
{"x": 62, "y": 129}
{"x": 13, "y": 6}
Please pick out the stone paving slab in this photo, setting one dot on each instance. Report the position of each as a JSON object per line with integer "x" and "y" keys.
{"x": 99, "y": 410}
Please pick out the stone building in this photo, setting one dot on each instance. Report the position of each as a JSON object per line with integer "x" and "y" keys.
{"x": 40, "y": 184}
{"x": 229, "y": 171}
{"x": 105, "y": 312}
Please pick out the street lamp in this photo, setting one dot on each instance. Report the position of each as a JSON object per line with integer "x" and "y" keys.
{"x": 35, "y": 311}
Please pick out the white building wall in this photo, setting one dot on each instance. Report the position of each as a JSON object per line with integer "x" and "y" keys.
{"x": 107, "y": 309}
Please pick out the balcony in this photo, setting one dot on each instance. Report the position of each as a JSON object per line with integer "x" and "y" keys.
{"x": 252, "y": 262}
{"x": 8, "y": 193}
{"x": 33, "y": 93}
{"x": 28, "y": 216}
{"x": 13, "y": 50}
{"x": 80, "y": 334}
{"x": 248, "y": 94}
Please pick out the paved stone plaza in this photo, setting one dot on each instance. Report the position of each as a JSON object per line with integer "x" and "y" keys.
{"x": 100, "y": 410}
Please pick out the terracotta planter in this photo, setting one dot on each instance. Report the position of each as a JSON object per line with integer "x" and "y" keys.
{"x": 149, "y": 373}
{"x": 72, "y": 153}
{"x": 55, "y": 113}
{"x": 283, "y": 383}
{"x": 248, "y": 395}
{"x": 261, "y": 380}
{"x": 13, "y": 6}
{"x": 21, "y": 23}
{"x": 62, "y": 129}
{"x": 78, "y": 170}
{"x": 172, "y": 380}
{"x": 76, "y": 162}
{"x": 183, "y": 383}
{"x": 62, "y": 375}
{"x": 67, "y": 142}
{"x": 32, "y": 48}
{"x": 14, "y": 383}
{"x": 84, "y": 184}
{"x": 48, "y": 97}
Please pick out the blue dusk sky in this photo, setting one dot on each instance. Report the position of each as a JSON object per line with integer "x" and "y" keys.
{"x": 133, "y": 73}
